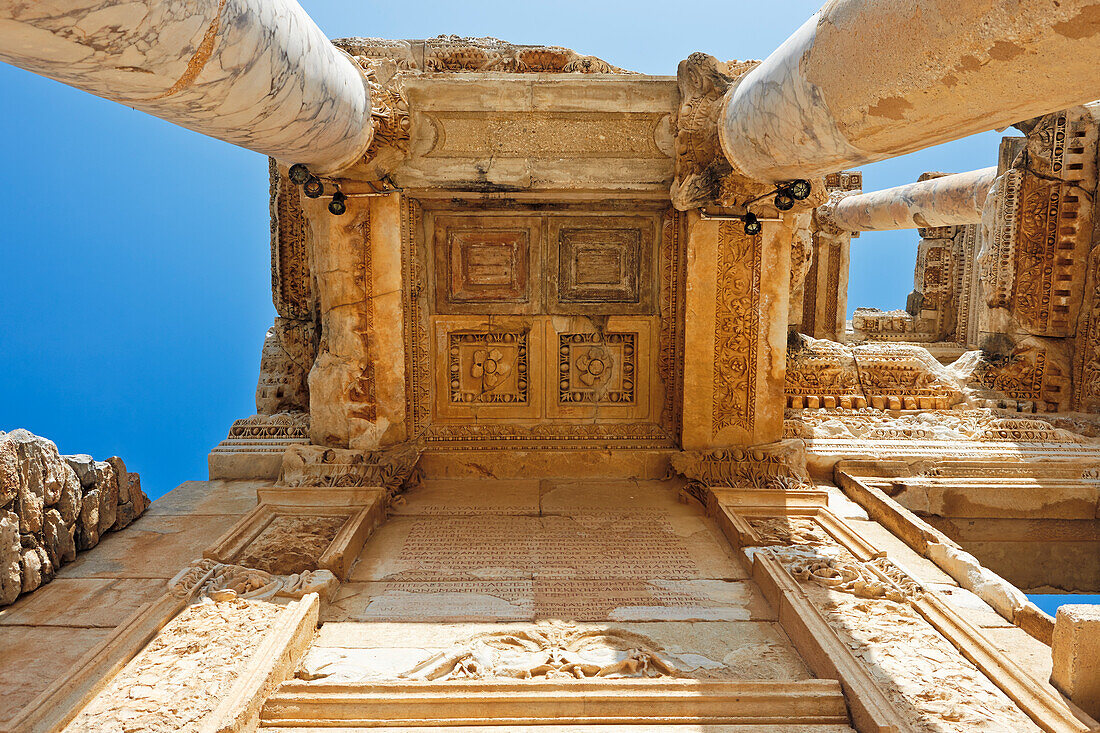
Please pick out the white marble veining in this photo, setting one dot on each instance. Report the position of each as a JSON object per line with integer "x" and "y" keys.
{"x": 866, "y": 80}
{"x": 938, "y": 202}
{"x": 255, "y": 73}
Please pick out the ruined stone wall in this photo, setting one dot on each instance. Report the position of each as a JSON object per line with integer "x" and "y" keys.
{"x": 52, "y": 505}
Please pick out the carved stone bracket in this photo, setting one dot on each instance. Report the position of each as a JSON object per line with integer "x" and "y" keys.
{"x": 220, "y": 582}
{"x": 393, "y": 469}
{"x": 775, "y": 465}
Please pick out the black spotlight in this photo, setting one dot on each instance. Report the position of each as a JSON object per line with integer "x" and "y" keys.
{"x": 338, "y": 206}
{"x": 752, "y": 224}
{"x": 299, "y": 174}
{"x": 783, "y": 200}
{"x": 799, "y": 189}
{"x": 313, "y": 187}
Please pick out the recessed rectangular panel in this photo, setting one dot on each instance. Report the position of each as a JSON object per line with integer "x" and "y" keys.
{"x": 601, "y": 264}
{"x": 486, "y": 264}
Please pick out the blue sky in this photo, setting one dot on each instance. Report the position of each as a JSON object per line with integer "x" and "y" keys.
{"x": 136, "y": 282}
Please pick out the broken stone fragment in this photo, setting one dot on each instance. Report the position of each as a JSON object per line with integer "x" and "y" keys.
{"x": 106, "y": 485}
{"x": 10, "y": 576}
{"x": 51, "y": 505}
{"x": 58, "y": 541}
{"x": 88, "y": 526}
{"x": 84, "y": 466}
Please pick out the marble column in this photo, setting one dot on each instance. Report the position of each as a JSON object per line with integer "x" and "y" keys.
{"x": 735, "y": 339}
{"x": 255, "y": 73}
{"x": 938, "y": 202}
{"x": 865, "y": 80}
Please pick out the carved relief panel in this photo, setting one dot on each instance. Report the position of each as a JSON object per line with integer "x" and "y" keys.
{"x": 556, "y": 324}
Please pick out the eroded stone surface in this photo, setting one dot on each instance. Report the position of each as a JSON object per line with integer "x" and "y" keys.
{"x": 180, "y": 676}
{"x": 53, "y": 505}
{"x": 379, "y": 651}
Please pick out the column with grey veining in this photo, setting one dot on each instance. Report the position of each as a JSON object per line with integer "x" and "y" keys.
{"x": 937, "y": 202}
{"x": 255, "y": 73}
{"x": 865, "y": 80}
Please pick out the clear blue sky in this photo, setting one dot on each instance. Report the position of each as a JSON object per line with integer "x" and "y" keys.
{"x": 135, "y": 284}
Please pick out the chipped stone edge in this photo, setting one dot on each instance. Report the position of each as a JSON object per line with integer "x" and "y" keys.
{"x": 1048, "y": 710}
{"x": 273, "y": 662}
{"x": 60, "y": 703}
{"x": 927, "y": 541}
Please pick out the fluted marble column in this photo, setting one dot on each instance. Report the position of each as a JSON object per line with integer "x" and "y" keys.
{"x": 938, "y": 202}
{"x": 865, "y": 80}
{"x": 255, "y": 73}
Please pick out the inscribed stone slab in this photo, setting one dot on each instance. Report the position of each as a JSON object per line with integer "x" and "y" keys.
{"x": 638, "y": 545}
{"x": 464, "y": 496}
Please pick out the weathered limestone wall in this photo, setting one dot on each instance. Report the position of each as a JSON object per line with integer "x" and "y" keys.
{"x": 51, "y": 506}
{"x": 261, "y": 75}
{"x": 844, "y": 88}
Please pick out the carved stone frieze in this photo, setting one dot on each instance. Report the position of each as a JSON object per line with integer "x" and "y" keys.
{"x": 548, "y": 650}
{"x": 390, "y": 115}
{"x": 287, "y": 356}
{"x": 1036, "y": 371}
{"x": 1039, "y": 224}
{"x": 776, "y": 465}
{"x": 824, "y": 373}
{"x": 736, "y": 328}
{"x": 488, "y": 367}
{"x": 451, "y": 53}
{"x": 597, "y": 368}
{"x": 393, "y": 469}
{"x": 975, "y": 425}
{"x": 291, "y": 286}
{"x": 223, "y": 582}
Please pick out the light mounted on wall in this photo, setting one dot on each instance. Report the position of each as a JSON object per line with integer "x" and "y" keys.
{"x": 298, "y": 174}
{"x": 749, "y": 220}
{"x": 313, "y": 187}
{"x": 338, "y": 206}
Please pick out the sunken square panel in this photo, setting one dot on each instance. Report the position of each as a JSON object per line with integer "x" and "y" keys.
{"x": 486, "y": 264}
{"x": 601, "y": 264}
{"x": 487, "y": 371}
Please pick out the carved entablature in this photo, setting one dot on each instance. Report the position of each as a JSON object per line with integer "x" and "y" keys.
{"x": 390, "y": 115}
{"x": 704, "y": 176}
{"x": 1039, "y": 215}
{"x": 451, "y": 53}
{"x": 896, "y": 376}
{"x": 392, "y": 469}
{"x": 776, "y": 465}
{"x": 1035, "y": 375}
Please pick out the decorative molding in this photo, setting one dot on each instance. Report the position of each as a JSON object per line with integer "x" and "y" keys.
{"x": 453, "y": 54}
{"x": 291, "y": 283}
{"x": 547, "y": 650}
{"x": 223, "y": 582}
{"x": 597, "y": 368}
{"x": 775, "y": 465}
{"x": 488, "y": 367}
{"x": 736, "y": 329}
{"x": 392, "y": 469}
